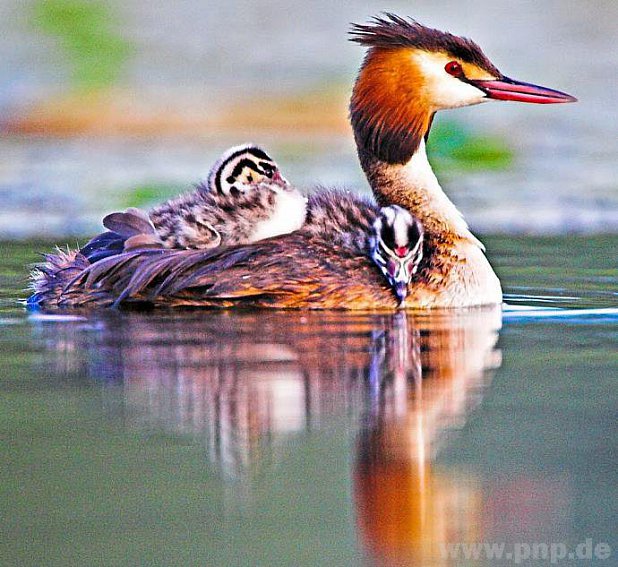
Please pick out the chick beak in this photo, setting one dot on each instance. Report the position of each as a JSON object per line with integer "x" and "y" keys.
{"x": 510, "y": 89}
{"x": 401, "y": 291}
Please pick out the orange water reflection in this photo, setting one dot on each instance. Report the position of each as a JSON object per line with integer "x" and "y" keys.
{"x": 244, "y": 382}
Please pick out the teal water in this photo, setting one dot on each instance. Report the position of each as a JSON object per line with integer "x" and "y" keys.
{"x": 267, "y": 438}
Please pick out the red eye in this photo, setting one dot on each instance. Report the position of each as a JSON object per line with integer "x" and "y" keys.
{"x": 453, "y": 68}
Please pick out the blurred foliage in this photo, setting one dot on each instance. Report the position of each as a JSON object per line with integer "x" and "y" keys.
{"x": 453, "y": 145}
{"x": 86, "y": 31}
{"x": 144, "y": 195}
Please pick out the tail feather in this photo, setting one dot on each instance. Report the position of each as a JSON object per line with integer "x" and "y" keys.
{"x": 50, "y": 279}
{"x": 128, "y": 230}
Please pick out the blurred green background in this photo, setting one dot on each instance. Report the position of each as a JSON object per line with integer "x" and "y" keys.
{"x": 105, "y": 104}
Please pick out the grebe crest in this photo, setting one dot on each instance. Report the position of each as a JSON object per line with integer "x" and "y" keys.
{"x": 396, "y": 247}
{"x": 241, "y": 168}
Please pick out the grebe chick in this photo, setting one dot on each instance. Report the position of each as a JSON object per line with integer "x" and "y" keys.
{"x": 396, "y": 247}
{"x": 390, "y": 236}
{"x": 245, "y": 199}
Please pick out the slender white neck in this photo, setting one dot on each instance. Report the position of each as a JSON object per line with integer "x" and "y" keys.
{"x": 456, "y": 273}
{"x": 420, "y": 177}
{"x": 415, "y": 187}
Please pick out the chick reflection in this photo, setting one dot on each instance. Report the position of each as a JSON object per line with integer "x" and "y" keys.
{"x": 245, "y": 382}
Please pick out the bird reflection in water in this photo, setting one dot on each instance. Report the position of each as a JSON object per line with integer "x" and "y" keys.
{"x": 431, "y": 378}
{"x": 244, "y": 382}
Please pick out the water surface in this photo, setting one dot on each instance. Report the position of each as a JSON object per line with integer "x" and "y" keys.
{"x": 296, "y": 438}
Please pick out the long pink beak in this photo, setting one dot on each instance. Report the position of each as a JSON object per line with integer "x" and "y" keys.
{"x": 509, "y": 89}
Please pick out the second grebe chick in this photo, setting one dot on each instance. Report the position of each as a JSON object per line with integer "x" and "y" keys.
{"x": 390, "y": 236}
{"x": 245, "y": 199}
{"x": 396, "y": 247}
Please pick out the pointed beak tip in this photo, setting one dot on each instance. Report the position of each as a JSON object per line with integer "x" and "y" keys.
{"x": 401, "y": 291}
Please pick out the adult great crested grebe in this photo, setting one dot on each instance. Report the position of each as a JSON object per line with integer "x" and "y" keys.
{"x": 409, "y": 73}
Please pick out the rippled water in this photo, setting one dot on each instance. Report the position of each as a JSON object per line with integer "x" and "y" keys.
{"x": 307, "y": 438}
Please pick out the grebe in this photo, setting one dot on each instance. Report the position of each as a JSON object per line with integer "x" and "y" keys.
{"x": 396, "y": 247}
{"x": 244, "y": 199}
{"x": 409, "y": 73}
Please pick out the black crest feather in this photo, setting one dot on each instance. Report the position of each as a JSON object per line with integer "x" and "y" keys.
{"x": 392, "y": 31}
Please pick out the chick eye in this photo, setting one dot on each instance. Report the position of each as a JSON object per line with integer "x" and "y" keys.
{"x": 453, "y": 68}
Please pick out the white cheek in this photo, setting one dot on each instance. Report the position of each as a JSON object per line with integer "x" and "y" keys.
{"x": 445, "y": 90}
{"x": 288, "y": 215}
{"x": 452, "y": 93}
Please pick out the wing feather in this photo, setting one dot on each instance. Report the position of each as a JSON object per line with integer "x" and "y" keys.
{"x": 129, "y": 223}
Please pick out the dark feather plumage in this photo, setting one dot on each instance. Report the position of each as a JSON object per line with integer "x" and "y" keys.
{"x": 102, "y": 246}
{"x": 291, "y": 271}
{"x": 325, "y": 264}
{"x": 344, "y": 216}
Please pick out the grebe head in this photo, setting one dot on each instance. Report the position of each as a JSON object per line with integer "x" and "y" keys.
{"x": 412, "y": 71}
{"x": 397, "y": 247}
{"x": 241, "y": 168}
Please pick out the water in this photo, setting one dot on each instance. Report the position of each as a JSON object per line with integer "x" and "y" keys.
{"x": 296, "y": 438}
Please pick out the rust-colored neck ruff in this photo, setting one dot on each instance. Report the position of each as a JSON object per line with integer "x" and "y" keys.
{"x": 389, "y": 110}
{"x": 391, "y": 115}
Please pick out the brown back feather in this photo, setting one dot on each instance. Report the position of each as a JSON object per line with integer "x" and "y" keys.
{"x": 294, "y": 270}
